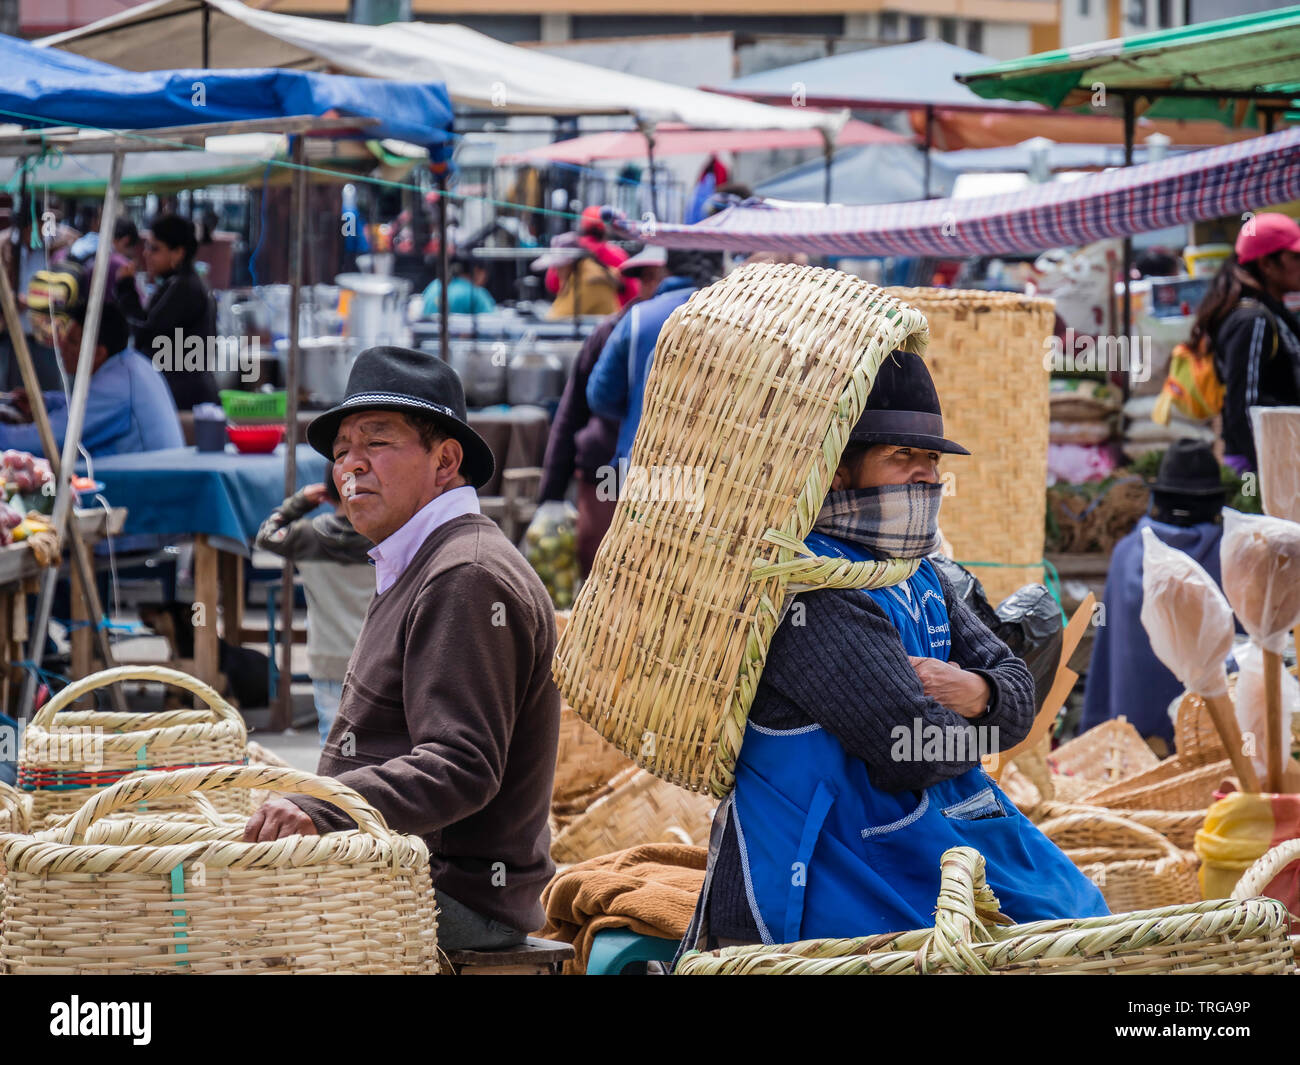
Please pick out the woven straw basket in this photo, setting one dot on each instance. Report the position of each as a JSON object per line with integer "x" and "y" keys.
{"x": 1106, "y": 754}
{"x": 1145, "y": 873}
{"x": 986, "y": 357}
{"x": 182, "y": 897}
{"x": 15, "y": 809}
{"x": 756, "y": 383}
{"x": 638, "y": 809}
{"x": 1206, "y": 937}
{"x": 1179, "y": 827}
{"x": 70, "y": 755}
{"x": 1265, "y": 868}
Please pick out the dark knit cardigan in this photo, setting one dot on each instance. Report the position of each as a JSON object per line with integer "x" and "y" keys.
{"x": 845, "y": 669}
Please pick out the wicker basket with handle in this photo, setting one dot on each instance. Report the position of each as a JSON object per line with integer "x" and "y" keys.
{"x": 1106, "y": 754}
{"x": 755, "y": 386}
{"x": 971, "y": 937}
{"x": 1266, "y": 868}
{"x": 187, "y": 897}
{"x": 1177, "y": 826}
{"x": 1137, "y": 870}
{"x": 70, "y": 755}
{"x": 986, "y": 357}
{"x": 15, "y": 809}
{"x": 1169, "y": 786}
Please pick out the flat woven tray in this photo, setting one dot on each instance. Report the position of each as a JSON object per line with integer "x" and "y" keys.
{"x": 756, "y": 383}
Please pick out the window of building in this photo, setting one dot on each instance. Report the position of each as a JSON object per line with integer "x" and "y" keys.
{"x": 889, "y": 25}
{"x": 1084, "y": 8}
{"x": 916, "y": 27}
{"x": 975, "y": 36}
{"x": 948, "y": 30}
{"x": 1165, "y": 14}
{"x": 1137, "y": 12}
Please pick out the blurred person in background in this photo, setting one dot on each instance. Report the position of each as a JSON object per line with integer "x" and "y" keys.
{"x": 467, "y": 293}
{"x": 126, "y": 244}
{"x": 586, "y": 285}
{"x": 337, "y": 578}
{"x": 616, "y": 387}
{"x": 128, "y": 408}
{"x": 180, "y": 308}
{"x": 1254, "y": 338}
{"x": 591, "y": 238}
{"x": 582, "y": 443}
{"x": 1124, "y": 676}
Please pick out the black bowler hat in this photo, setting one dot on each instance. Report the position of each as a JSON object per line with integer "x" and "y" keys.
{"x": 411, "y": 382}
{"x": 903, "y": 408}
{"x": 1189, "y": 468}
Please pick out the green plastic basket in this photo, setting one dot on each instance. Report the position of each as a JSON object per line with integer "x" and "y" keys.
{"x": 243, "y": 408}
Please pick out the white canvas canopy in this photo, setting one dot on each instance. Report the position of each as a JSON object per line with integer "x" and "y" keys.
{"x": 479, "y": 71}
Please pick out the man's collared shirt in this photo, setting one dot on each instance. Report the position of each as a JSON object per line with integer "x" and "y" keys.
{"x": 394, "y": 554}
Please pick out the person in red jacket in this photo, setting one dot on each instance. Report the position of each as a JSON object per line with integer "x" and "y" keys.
{"x": 591, "y": 236}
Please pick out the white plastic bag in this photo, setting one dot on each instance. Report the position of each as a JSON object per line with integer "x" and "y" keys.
{"x": 1277, "y": 443}
{"x": 551, "y": 547}
{"x": 1251, "y": 715}
{"x": 1260, "y": 558}
{"x": 1186, "y": 617}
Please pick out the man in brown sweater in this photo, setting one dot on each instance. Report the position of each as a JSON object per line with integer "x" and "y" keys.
{"x": 449, "y": 718}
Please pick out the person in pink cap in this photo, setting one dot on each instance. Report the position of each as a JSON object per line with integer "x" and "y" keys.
{"x": 1255, "y": 339}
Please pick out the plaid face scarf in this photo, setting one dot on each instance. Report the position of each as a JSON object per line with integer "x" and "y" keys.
{"x": 893, "y": 521}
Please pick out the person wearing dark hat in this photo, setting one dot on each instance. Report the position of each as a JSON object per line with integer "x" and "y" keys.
{"x": 1124, "y": 676}
{"x": 860, "y": 763}
{"x": 128, "y": 407}
{"x": 449, "y": 719}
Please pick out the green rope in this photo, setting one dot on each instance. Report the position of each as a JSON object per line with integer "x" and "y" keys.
{"x": 1051, "y": 578}
{"x": 48, "y": 152}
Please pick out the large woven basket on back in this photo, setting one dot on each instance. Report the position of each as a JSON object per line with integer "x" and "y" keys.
{"x": 756, "y": 382}
{"x": 70, "y": 755}
{"x": 971, "y": 937}
{"x": 986, "y": 357}
{"x": 169, "y": 896}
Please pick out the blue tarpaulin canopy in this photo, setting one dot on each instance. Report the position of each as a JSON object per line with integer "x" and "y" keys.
{"x": 46, "y": 87}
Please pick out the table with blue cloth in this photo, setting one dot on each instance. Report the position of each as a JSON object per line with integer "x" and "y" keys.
{"x": 220, "y": 499}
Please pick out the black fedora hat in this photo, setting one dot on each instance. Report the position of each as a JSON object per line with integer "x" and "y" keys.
{"x": 411, "y": 382}
{"x": 903, "y": 408}
{"x": 1189, "y": 468}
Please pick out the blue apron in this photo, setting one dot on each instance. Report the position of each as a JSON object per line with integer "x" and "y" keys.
{"x": 827, "y": 854}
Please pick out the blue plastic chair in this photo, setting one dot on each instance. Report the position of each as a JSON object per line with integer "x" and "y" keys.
{"x": 614, "y": 950}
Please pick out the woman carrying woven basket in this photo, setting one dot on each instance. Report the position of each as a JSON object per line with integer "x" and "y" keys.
{"x": 860, "y": 763}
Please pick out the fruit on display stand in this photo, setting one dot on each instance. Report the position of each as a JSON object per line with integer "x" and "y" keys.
{"x": 551, "y": 547}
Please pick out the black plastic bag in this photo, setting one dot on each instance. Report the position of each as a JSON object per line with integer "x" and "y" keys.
{"x": 1028, "y": 621}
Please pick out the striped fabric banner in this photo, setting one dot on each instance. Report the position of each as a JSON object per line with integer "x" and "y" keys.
{"x": 1228, "y": 180}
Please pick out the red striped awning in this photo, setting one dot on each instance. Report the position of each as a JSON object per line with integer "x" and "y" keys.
{"x": 1228, "y": 180}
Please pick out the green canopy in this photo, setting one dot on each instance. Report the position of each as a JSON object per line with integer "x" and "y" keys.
{"x": 1210, "y": 70}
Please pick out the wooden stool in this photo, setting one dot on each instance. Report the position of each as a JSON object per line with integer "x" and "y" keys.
{"x": 533, "y": 957}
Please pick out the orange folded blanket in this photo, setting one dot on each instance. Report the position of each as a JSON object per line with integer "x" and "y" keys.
{"x": 650, "y": 889}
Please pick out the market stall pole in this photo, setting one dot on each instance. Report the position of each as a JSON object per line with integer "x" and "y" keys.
{"x": 83, "y": 570}
{"x": 282, "y": 711}
{"x": 71, "y": 140}
{"x": 72, "y": 435}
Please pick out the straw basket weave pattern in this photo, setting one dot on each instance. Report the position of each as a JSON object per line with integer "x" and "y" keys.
{"x": 15, "y": 809}
{"x": 968, "y": 938}
{"x": 70, "y": 755}
{"x": 756, "y": 383}
{"x": 986, "y": 357}
{"x": 180, "y": 897}
{"x": 1136, "y": 868}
